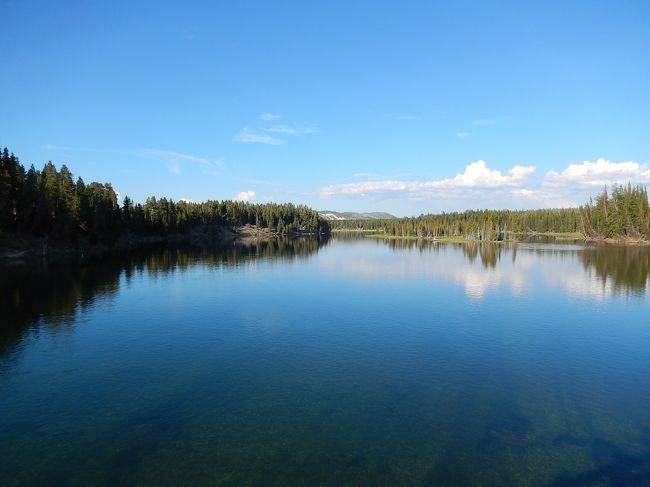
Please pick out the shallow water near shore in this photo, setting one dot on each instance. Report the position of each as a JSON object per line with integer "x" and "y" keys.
{"x": 346, "y": 362}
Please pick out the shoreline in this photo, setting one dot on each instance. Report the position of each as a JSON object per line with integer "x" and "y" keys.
{"x": 621, "y": 242}
{"x": 27, "y": 248}
{"x": 23, "y": 249}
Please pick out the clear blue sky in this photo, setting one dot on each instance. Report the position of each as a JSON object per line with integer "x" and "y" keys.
{"x": 338, "y": 105}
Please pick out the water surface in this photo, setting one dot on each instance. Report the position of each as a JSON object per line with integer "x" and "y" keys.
{"x": 355, "y": 361}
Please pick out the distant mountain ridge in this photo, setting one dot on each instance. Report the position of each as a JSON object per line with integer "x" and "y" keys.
{"x": 352, "y": 215}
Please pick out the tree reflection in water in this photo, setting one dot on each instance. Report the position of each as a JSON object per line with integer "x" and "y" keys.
{"x": 42, "y": 295}
{"x": 625, "y": 269}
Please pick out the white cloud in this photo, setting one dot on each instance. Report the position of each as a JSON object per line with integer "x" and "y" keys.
{"x": 253, "y": 138}
{"x": 175, "y": 157}
{"x": 246, "y": 195}
{"x": 485, "y": 122}
{"x": 476, "y": 175}
{"x": 261, "y": 132}
{"x": 69, "y": 148}
{"x": 462, "y": 135}
{"x": 600, "y": 173}
{"x": 475, "y": 277}
{"x": 539, "y": 198}
{"x": 284, "y": 129}
{"x": 176, "y": 160}
{"x": 172, "y": 158}
{"x": 525, "y": 193}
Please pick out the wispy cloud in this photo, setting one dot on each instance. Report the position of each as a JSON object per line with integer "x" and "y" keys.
{"x": 246, "y": 195}
{"x": 256, "y": 138}
{"x": 462, "y": 135}
{"x": 258, "y": 131}
{"x": 366, "y": 175}
{"x": 176, "y": 156}
{"x": 284, "y": 129}
{"x": 172, "y": 159}
{"x": 476, "y": 175}
{"x": 485, "y": 122}
{"x": 71, "y": 149}
{"x": 176, "y": 160}
{"x": 525, "y": 192}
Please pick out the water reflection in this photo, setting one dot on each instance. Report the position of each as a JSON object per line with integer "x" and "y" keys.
{"x": 624, "y": 270}
{"x": 287, "y": 362}
{"x": 48, "y": 297}
{"x": 581, "y": 271}
{"x": 489, "y": 253}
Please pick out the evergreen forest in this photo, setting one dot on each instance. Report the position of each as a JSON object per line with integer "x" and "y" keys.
{"x": 50, "y": 203}
{"x": 620, "y": 214}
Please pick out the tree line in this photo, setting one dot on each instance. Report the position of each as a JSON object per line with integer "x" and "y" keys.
{"x": 51, "y": 203}
{"x": 621, "y": 214}
{"x": 486, "y": 225}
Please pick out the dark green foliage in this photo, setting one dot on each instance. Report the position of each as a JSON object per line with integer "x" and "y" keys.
{"x": 622, "y": 214}
{"x": 48, "y": 203}
{"x": 167, "y": 216}
{"x": 475, "y": 224}
{"x": 12, "y": 177}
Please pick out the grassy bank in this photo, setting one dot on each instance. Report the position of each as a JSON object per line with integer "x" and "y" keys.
{"x": 517, "y": 237}
{"x": 435, "y": 239}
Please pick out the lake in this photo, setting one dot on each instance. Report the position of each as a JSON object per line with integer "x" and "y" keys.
{"x": 343, "y": 362}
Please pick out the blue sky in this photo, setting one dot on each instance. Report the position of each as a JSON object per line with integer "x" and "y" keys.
{"x": 406, "y": 107}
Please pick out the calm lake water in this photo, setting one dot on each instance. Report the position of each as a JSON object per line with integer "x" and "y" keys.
{"x": 347, "y": 362}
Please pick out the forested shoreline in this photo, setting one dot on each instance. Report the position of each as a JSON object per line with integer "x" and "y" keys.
{"x": 622, "y": 215}
{"x": 49, "y": 205}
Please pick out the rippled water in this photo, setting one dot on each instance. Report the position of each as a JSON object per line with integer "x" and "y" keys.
{"x": 354, "y": 361}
